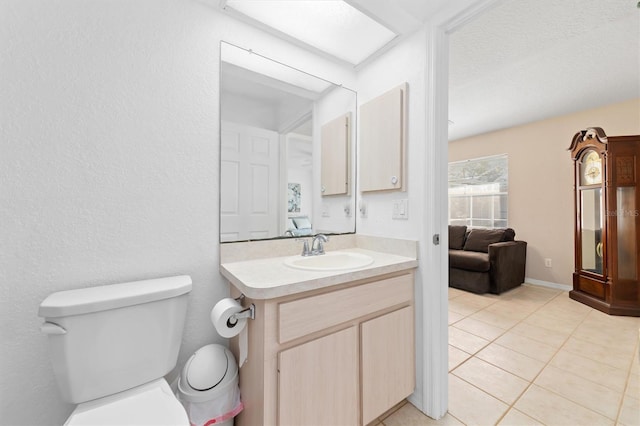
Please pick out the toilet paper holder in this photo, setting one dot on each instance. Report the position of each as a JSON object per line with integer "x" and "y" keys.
{"x": 249, "y": 312}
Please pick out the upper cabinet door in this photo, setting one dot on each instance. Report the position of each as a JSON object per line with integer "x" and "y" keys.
{"x": 382, "y": 141}
{"x": 335, "y": 156}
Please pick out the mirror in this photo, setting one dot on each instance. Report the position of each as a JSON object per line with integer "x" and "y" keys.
{"x": 277, "y": 125}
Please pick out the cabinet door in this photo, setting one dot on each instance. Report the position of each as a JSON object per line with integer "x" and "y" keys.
{"x": 382, "y": 141}
{"x": 335, "y": 156}
{"x": 318, "y": 381}
{"x": 388, "y": 362}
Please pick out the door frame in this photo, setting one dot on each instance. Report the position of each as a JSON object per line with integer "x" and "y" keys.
{"x": 431, "y": 395}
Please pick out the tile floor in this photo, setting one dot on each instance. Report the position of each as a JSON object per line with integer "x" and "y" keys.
{"x": 532, "y": 356}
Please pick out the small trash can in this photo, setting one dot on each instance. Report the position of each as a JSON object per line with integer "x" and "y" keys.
{"x": 208, "y": 387}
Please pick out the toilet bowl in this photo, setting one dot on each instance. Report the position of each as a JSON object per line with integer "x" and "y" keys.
{"x": 112, "y": 345}
{"x": 150, "y": 404}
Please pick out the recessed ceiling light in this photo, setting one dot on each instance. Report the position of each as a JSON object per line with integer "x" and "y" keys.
{"x": 331, "y": 26}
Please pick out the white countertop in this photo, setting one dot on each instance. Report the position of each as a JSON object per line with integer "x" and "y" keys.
{"x": 270, "y": 278}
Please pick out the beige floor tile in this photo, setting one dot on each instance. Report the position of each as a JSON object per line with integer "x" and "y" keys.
{"x": 512, "y": 309}
{"x": 456, "y": 357}
{"x": 491, "y": 379}
{"x": 598, "y": 372}
{"x": 549, "y": 337}
{"x": 479, "y": 328}
{"x": 533, "y": 293}
{"x": 514, "y": 362}
{"x": 497, "y": 320}
{"x": 466, "y": 341}
{"x": 552, "y": 322}
{"x": 563, "y": 301}
{"x": 633, "y": 385}
{"x": 552, "y": 409}
{"x": 471, "y": 405}
{"x": 454, "y": 317}
{"x": 462, "y": 307}
{"x": 581, "y": 391}
{"x": 517, "y": 418}
{"x": 500, "y": 343}
{"x": 409, "y": 415}
{"x": 598, "y": 353}
{"x": 454, "y": 292}
{"x": 392, "y": 410}
{"x": 613, "y": 321}
{"x": 482, "y": 300}
{"x": 524, "y": 345}
{"x": 630, "y": 412}
{"x": 620, "y": 340}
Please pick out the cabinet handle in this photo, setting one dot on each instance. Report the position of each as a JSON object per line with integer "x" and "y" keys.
{"x": 394, "y": 180}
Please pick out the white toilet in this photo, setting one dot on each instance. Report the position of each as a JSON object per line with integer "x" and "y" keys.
{"x": 111, "y": 346}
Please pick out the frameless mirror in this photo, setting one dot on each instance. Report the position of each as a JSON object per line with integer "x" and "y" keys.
{"x": 282, "y": 133}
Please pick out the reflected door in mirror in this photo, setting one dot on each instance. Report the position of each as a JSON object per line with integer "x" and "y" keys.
{"x": 249, "y": 177}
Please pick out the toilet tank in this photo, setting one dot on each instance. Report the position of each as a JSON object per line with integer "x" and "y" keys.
{"x": 111, "y": 338}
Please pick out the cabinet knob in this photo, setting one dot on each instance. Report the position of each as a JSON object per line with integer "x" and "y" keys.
{"x": 394, "y": 180}
{"x": 322, "y": 188}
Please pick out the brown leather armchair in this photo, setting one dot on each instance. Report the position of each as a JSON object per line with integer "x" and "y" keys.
{"x": 485, "y": 260}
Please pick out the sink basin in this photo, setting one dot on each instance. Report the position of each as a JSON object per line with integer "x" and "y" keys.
{"x": 332, "y": 261}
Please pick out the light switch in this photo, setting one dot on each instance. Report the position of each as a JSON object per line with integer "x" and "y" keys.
{"x": 400, "y": 209}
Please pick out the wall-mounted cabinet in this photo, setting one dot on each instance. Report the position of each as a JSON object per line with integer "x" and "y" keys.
{"x": 382, "y": 147}
{"x": 607, "y": 232}
{"x": 336, "y": 156}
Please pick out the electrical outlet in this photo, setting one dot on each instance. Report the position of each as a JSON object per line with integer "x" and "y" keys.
{"x": 547, "y": 263}
{"x": 325, "y": 210}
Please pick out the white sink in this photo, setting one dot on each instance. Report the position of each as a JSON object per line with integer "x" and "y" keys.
{"x": 332, "y": 261}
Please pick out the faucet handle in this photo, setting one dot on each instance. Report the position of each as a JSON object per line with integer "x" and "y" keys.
{"x": 305, "y": 247}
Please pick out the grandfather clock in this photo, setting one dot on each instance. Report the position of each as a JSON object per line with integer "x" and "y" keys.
{"x": 607, "y": 223}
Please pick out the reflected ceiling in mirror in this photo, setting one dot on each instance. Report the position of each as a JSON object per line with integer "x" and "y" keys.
{"x": 271, "y": 116}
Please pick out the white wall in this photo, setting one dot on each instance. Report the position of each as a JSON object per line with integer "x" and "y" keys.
{"x": 329, "y": 211}
{"x": 404, "y": 63}
{"x": 541, "y": 180}
{"x": 109, "y": 164}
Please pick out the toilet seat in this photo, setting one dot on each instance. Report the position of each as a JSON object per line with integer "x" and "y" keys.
{"x": 149, "y": 404}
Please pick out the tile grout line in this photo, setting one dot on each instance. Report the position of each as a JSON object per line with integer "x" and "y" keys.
{"x": 530, "y": 382}
{"x": 474, "y": 355}
{"x": 636, "y": 352}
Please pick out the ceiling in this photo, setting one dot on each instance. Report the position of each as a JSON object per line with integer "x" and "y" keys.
{"x": 523, "y": 61}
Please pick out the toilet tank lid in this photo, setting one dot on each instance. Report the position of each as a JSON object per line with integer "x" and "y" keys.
{"x": 105, "y": 297}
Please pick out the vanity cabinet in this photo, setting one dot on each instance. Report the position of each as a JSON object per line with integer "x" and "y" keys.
{"x": 318, "y": 381}
{"x": 338, "y": 356}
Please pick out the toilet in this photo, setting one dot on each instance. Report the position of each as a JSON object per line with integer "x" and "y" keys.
{"x": 112, "y": 345}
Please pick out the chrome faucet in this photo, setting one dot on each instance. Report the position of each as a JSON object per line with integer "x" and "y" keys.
{"x": 321, "y": 239}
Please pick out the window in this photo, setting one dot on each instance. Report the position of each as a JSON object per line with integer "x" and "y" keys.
{"x": 478, "y": 192}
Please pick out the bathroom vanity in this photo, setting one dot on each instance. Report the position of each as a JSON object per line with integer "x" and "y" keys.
{"x": 332, "y": 347}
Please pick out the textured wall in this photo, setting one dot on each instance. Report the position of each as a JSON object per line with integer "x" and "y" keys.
{"x": 108, "y": 164}
{"x": 541, "y": 180}
{"x": 108, "y": 169}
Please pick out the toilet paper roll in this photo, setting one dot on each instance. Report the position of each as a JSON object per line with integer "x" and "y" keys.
{"x": 222, "y": 321}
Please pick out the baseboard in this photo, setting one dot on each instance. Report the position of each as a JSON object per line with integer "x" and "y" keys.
{"x": 548, "y": 284}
